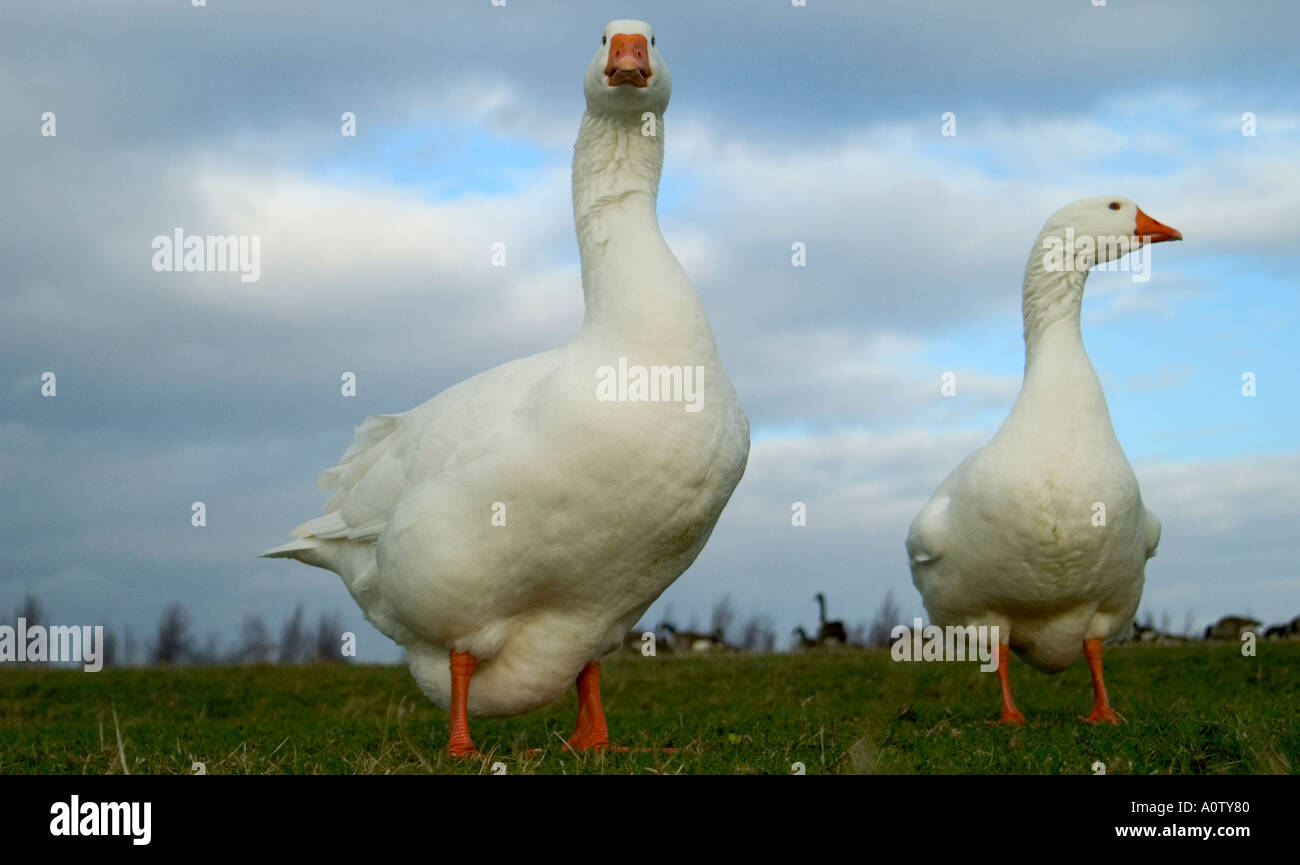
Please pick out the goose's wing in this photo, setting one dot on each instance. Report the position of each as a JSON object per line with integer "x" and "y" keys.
{"x": 928, "y": 537}
{"x": 1152, "y": 533}
{"x": 369, "y": 481}
{"x": 392, "y": 454}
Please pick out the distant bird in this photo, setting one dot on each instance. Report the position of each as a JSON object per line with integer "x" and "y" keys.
{"x": 1042, "y": 531}
{"x": 804, "y": 641}
{"x": 509, "y": 531}
{"x": 832, "y": 632}
{"x": 688, "y": 642}
{"x": 1287, "y": 631}
{"x": 1148, "y": 634}
{"x": 1231, "y": 628}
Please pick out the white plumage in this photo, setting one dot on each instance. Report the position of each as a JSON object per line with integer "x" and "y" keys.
{"x": 1012, "y": 537}
{"x": 604, "y": 503}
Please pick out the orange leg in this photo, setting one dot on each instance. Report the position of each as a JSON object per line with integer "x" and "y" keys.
{"x": 462, "y": 667}
{"x": 1010, "y": 714}
{"x": 590, "y": 731}
{"x": 1102, "y": 713}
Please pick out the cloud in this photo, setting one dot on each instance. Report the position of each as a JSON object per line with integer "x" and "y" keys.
{"x": 180, "y": 387}
{"x": 1228, "y": 539}
{"x": 1226, "y": 547}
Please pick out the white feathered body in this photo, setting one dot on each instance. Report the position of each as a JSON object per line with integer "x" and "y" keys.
{"x": 1015, "y": 537}
{"x": 604, "y": 503}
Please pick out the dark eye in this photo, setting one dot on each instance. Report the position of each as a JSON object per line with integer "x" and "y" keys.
{"x": 652, "y": 40}
{"x": 603, "y": 39}
{"x": 1114, "y": 205}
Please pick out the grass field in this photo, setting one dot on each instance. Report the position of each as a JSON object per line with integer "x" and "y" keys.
{"x": 1190, "y": 709}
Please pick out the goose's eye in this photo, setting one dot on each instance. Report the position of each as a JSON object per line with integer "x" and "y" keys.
{"x": 1114, "y": 205}
{"x": 652, "y": 40}
{"x": 604, "y": 39}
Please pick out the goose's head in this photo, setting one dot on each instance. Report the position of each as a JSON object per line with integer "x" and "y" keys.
{"x": 1111, "y": 222}
{"x": 627, "y": 74}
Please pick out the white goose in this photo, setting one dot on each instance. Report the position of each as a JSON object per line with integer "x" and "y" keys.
{"x": 1011, "y": 538}
{"x": 509, "y": 531}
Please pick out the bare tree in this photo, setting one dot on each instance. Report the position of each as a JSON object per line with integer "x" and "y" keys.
{"x": 34, "y": 614}
{"x": 758, "y": 635}
{"x": 293, "y": 640}
{"x": 329, "y": 645}
{"x": 254, "y": 642}
{"x": 129, "y": 647}
{"x": 878, "y": 636}
{"x": 724, "y": 615}
{"x": 32, "y": 611}
{"x": 173, "y": 645}
{"x": 108, "y": 649}
{"x": 668, "y": 615}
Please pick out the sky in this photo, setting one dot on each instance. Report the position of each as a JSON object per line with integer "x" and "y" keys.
{"x": 818, "y": 124}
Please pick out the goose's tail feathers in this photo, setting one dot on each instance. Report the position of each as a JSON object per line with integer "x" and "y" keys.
{"x": 292, "y": 549}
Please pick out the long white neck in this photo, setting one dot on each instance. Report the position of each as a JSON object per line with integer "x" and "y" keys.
{"x": 1058, "y": 373}
{"x": 635, "y": 290}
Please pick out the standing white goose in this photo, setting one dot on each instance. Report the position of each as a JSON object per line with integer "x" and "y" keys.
{"x": 1012, "y": 537}
{"x": 509, "y": 531}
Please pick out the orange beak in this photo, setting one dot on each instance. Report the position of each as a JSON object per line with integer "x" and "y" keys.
{"x": 1151, "y": 231}
{"x": 629, "y": 60}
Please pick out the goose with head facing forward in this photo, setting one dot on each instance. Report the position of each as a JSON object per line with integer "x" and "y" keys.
{"x": 509, "y": 531}
{"x": 1042, "y": 532}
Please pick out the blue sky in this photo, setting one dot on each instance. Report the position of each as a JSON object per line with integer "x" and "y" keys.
{"x": 439, "y": 161}
{"x": 820, "y": 125}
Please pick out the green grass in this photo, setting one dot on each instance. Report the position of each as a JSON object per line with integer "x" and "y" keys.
{"x": 1190, "y": 709}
